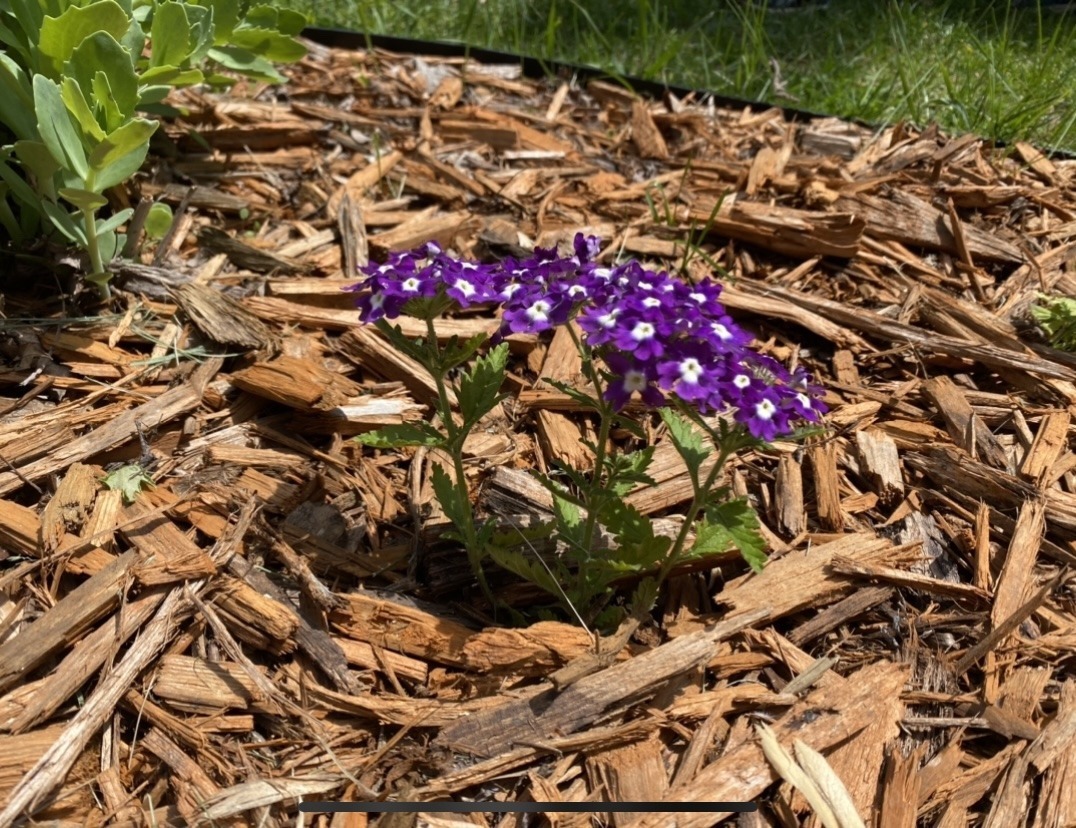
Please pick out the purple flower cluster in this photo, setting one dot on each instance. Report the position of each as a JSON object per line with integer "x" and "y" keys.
{"x": 656, "y": 334}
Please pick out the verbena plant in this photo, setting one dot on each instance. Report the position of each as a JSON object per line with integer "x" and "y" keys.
{"x": 76, "y": 82}
{"x": 640, "y": 334}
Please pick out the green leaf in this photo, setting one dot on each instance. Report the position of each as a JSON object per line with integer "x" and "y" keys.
{"x": 638, "y": 548}
{"x": 284, "y": 21}
{"x": 111, "y": 223}
{"x": 526, "y": 567}
{"x": 268, "y": 43}
{"x": 158, "y": 220}
{"x": 38, "y": 161}
{"x": 245, "y": 62}
{"x": 83, "y": 199}
{"x": 584, "y": 400}
{"x": 60, "y": 36}
{"x": 453, "y": 502}
{"x": 686, "y": 439}
{"x": 16, "y": 99}
{"x": 77, "y": 105}
{"x": 63, "y": 222}
{"x": 405, "y": 434}
{"x": 457, "y": 352}
{"x": 170, "y": 34}
{"x": 732, "y": 523}
{"x": 121, "y": 154}
{"x": 417, "y": 349}
{"x": 570, "y": 524}
{"x": 129, "y": 480}
{"x": 101, "y": 65}
{"x": 644, "y": 596}
{"x": 225, "y": 18}
{"x": 56, "y": 129}
{"x": 479, "y": 388}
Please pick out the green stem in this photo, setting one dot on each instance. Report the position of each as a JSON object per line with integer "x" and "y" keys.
{"x": 605, "y": 428}
{"x": 456, "y": 437}
{"x": 698, "y": 503}
{"x": 94, "y": 250}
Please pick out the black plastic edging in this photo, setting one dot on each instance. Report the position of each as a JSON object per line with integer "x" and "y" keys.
{"x": 538, "y": 69}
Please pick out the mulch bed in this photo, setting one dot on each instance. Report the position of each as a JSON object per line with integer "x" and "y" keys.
{"x": 278, "y": 621}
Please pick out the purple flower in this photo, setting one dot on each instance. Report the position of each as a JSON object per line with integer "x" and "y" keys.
{"x": 629, "y": 377}
{"x": 657, "y": 334}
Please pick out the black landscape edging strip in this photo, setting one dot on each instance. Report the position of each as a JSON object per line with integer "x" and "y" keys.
{"x": 538, "y": 69}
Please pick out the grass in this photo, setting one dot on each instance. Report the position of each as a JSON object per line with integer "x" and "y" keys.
{"x": 982, "y": 66}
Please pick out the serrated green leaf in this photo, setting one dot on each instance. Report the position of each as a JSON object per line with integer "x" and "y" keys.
{"x": 404, "y": 434}
{"x": 417, "y": 349}
{"x": 457, "y": 352}
{"x": 685, "y": 438}
{"x": 452, "y": 501}
{"x": 57, "y": 131}
{"x": 526, "y": 567}
{"x": 732, "y": 523}
{"x": 638, "y": 548}
{"x": 644, "y": 596}
{"x": 129, "y": 480}
{"x": 479, "y": 388}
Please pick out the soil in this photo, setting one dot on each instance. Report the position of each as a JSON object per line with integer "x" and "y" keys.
{"x": 278, "y": 619}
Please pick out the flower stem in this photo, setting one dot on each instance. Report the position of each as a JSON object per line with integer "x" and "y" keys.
{"x": 456, "y": 436}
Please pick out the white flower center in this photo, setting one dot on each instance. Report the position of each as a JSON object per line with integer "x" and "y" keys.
{"x": 723, "y": 333}
{"x": 690, "y": 371}
{"x": 652, "y": 302}
{"x": 464, "y": 287}
{"x": 765, "y": 410}
{"x": 698, "y": 297}
{"x": 602, "y": 272}
{"x": 804, "y": 400}
{"x": 608, "y": 320}
{"x": 741, "y": 381}
{"x": 577, "y": 290}
{"x": 377, "y": 300}
{"x": 510, "y": 289}
{"x": 539, "y": 311}
{"x": 645, "y": 286}
{"x": 634, "y": 380}
{"x": 410, "y": 285}
{"x": 642, "y": 331}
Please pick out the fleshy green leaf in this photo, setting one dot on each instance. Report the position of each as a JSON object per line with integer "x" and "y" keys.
{"x": 16, "y": 99}
{"x": 268, "y": 43}
{"x": 122, "y": 153}
{"x": 77, "y": 105}
{"x": 83, "y": 199}
{"x": 158, "y": 220}
{"x": 404, "y": 434}
{"x": 171, "y": 35}
{"x": 60, "y": 36}
{"x": 57, "y": 131}
{"x": 104, "y": 70}
{"x": 129, "y": 480}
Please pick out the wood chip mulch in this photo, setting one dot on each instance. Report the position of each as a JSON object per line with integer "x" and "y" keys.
{"x": 276, "y": 621}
